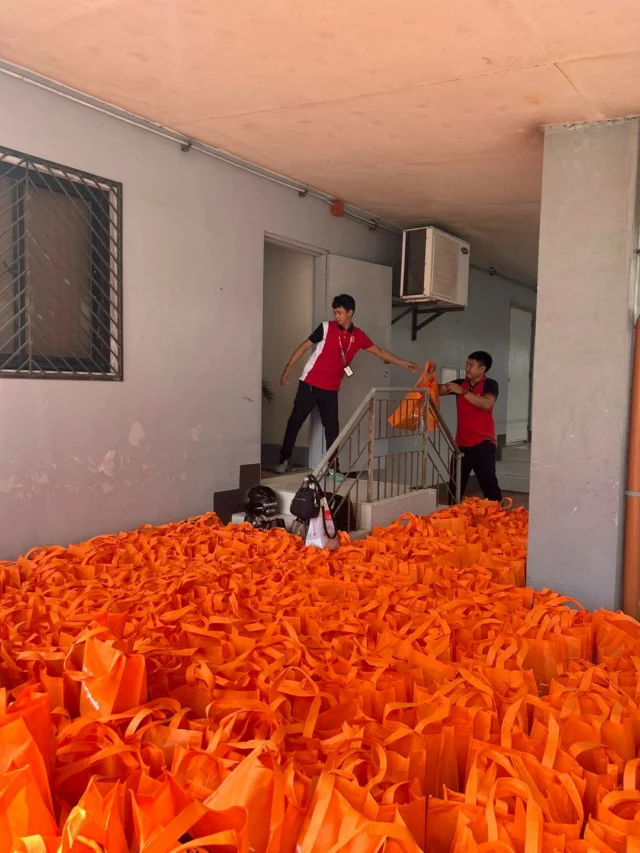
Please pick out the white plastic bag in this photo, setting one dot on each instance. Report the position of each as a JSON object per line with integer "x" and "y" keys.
{"x": 322, "y": 529}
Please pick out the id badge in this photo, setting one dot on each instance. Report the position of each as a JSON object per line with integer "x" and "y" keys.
{"x": 348, "y": 371}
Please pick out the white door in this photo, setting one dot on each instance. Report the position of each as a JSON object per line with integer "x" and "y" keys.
{"x": 371, "y": 287}
{"x": 519, "y": 391}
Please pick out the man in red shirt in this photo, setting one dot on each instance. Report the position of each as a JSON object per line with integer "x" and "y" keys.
{"x": 336, "y": 345}
{"x": 476, "y": 434}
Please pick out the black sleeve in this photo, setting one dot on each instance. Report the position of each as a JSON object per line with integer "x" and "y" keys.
{"x": 491, "y": 387}
{"x": 455, "y": 382}
{"x": 317, "y": 335}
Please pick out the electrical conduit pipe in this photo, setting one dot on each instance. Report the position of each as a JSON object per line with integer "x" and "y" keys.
{"x": 631, "y": 564}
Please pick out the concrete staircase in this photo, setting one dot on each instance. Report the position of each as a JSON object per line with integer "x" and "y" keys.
{"x": 375, "y": 514}
{"x": 514, "y": 468}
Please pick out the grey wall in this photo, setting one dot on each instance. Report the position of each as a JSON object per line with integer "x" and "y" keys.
{"x": 588, "y": 239}
{"x": 484, "y": 324}
{"x": 80, "y": 458}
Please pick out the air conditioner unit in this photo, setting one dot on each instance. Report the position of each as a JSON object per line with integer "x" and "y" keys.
{"x": 435, "y": 267}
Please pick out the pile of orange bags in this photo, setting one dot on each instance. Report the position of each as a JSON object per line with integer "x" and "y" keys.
{"x": 208, "y": 688}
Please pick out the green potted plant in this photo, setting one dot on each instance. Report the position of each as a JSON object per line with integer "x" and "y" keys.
{"x": 267, "y": 392}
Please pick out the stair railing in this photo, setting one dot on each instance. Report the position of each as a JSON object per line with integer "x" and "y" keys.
{"x": 372, "y": 460}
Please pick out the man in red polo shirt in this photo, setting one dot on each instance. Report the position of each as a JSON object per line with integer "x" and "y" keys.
{"x": 336, "y": 345}
{"x": 476, "y": 434}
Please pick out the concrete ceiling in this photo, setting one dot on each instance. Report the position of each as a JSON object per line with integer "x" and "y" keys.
{"x": 416, "y": 110}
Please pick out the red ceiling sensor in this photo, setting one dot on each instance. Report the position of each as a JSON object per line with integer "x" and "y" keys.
{"x": 337, "y": 208}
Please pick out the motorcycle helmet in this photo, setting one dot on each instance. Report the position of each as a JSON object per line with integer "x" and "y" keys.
{"x": 261, "y": 501}
{"x": 261, "y": 523}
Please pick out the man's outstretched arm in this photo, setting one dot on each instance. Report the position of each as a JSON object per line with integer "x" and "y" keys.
{"x": 390, "y": 358}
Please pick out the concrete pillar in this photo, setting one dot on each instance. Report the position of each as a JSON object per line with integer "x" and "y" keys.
{"x": 582, "y": 371}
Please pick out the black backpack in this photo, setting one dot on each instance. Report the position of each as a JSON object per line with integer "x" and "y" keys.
{"x": 306, "y": 502}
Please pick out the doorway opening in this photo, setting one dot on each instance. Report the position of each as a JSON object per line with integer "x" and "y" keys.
{"x": 287, "y": 321}
{"x": 514, "y": 468}
{"x": 520, "y": 374}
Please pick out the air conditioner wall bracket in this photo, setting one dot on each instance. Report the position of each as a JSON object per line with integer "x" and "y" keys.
{"x": 432, "y": 314}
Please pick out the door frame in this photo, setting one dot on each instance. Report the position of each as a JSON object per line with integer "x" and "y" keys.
{"x": 532, "y": 311}
{"x": 295, "y": 245}
{"x": 317, "y": 253}
{"x": 322, "y": 281}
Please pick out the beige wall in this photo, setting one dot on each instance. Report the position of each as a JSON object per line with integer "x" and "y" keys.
{"x": 83, "y": 458}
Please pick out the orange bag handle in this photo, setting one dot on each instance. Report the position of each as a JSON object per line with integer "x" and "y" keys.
{"x": 95, "y": 758}
{"x": 614, "y": 798}
{"x": 356, "y": 756}
{"x": 516, "y": 769}
{"x": 553, "y": 730}
{"x": 472, "y": 788}
{"x": 570, "y": 703}
{"x": 375, "y": 829}
{"x": 630, "y": 775}
{"x": 225, "y": 838}
{"x": 176, "y": 828}
{"x": 497, "y": 656}
{"x": 290, "y": 788}
{"x": 574, "y": 795}
{"x": 427, "y": 374}
{"x": 321, "y": 800}
{"x": 533, "y": 825}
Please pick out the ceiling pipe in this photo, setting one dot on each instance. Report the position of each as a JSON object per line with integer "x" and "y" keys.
{"x": 186, "y": 144}
{"x": 631, "y": 560}
{"x": 494, "y": 272}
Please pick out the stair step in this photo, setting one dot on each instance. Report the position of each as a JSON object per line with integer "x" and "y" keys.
{"x": 512, "y": 468}
{"x": 517, "y": 453}
{"x": 514, "y": 484}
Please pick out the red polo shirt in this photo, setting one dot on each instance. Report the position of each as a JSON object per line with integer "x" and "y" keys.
{"x": 475, "y": 425}
{"x": 335, "y": 348}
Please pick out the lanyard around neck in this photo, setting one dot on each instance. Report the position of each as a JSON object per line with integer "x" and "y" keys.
{"x": 342, "y": 352}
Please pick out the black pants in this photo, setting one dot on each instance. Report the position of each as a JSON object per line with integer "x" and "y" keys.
{"x": 307, "y": 398}
{"x": 481, "y": 459}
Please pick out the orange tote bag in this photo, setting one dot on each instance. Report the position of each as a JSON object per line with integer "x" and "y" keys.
{"x": 407, "y": 415}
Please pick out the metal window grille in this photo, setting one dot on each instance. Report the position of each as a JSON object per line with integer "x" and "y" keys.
{"x": 60, "y": 271}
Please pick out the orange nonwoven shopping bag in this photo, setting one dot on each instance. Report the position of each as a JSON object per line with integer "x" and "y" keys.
{"x": 113, "y": 680}
{"x": 410, "y": 411}
{"x": 163, "y": 813}
{"x": 196, "y": 687}
{"x": 23, "y": 812}
{"x": 97, "y": 819}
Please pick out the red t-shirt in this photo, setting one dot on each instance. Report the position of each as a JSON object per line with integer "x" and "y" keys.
{"x": 335, "y": 349}
{"x": 475, "y": 425}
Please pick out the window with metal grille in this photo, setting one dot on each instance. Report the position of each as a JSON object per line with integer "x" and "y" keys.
{"x": 60, "y": 271}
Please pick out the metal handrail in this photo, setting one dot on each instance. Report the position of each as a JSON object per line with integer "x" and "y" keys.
{"x": 429, "y": 454}
{"x": 344, "y": 433}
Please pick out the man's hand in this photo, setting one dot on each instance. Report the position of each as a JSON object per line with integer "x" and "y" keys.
{"x": 286, "y": 376}
{"x": 411, "y": 366}
{"x": 452, "y": 388}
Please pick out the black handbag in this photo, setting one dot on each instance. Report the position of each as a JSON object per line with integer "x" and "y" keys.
{"x": 343, "y": 512}
{"x": 306, "y": 501}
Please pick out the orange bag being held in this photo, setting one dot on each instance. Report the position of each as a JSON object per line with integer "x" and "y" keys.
{"x": 408, "y": 414}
